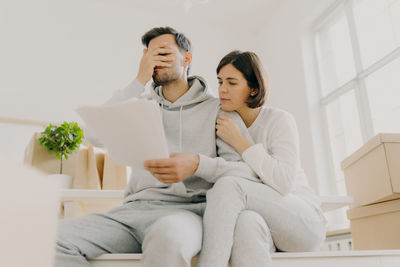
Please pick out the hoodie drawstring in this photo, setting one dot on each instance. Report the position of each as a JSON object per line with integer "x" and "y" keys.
{"x": 180, "y": 129}
{"x": 162, "y": 108}
{"x": 180, "y": 123}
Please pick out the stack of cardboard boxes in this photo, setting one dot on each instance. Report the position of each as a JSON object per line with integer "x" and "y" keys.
{"x": 372, "y": 176}
{"x": 89, "y": 167}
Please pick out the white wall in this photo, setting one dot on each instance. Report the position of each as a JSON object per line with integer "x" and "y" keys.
{"x": 56, "y": 55}
{"x": 280, "y": 45}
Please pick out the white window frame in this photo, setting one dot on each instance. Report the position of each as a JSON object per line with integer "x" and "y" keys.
{"x": 357, "y": 83}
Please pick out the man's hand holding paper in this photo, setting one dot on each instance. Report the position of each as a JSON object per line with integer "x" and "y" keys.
{"x": 175, "y": 169}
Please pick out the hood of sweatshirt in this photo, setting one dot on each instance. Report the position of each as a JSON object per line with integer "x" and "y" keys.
{"x": 198, "y": 92}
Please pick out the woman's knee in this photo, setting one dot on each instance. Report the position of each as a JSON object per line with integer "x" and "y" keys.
{"x": 225, "y": 187}
{"x": 310, "y": 237}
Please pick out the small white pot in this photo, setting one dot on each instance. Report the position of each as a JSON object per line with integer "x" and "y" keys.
{"x": 64, "y": 180}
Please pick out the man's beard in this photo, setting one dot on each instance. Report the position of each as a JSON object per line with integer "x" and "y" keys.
{"x": 164, "y": 78}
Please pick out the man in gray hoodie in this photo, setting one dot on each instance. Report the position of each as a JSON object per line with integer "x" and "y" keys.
{"x": 162, "y": 212}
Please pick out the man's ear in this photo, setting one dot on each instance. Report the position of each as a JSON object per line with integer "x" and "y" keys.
{"x": 188, "y": 58}
{"x": 145, "y": 51}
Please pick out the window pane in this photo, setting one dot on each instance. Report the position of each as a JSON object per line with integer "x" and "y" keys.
{"x": 383, "y": 88}
{"x": 335, "y": 54}
{"x": 344, "y": 130}
{"x": 378, "y": 28}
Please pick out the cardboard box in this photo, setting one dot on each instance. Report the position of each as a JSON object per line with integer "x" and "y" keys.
{"x": 372, "y": 173}
{"x": 376, "y": 226}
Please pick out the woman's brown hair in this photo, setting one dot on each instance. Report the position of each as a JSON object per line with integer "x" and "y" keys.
{"x": 252, "y": 69}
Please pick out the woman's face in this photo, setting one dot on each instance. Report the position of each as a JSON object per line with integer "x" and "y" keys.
{"x": 233, "y": 89}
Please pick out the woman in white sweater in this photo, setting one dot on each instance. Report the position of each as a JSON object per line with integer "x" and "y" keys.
{"x": 245, "y": 219}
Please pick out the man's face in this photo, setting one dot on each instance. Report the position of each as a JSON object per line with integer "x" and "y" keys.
{"x": 164, "y": 75}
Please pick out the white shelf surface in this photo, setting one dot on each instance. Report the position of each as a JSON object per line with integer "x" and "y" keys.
{"x": 335, "y": 202}
{"x": 88, "y": 193}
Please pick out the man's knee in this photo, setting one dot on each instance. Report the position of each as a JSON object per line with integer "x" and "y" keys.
{"x": 66, "y": 229}
{"x": 181, "y": 230}
{"x": 66, "y": 244}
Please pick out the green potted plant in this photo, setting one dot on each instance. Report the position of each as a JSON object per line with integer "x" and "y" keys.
{"x": 62, "y": 140}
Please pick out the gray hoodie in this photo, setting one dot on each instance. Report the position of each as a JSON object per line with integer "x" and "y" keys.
{"x": 189, "y": 125}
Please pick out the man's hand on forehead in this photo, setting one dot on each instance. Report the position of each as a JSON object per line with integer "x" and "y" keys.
{"x": 162, "y": 49}
{"x": 158, "y": 56}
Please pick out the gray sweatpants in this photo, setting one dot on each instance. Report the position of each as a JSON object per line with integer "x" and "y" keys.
{"x": 168, "y": 234}
{"x": 248, "y": 220}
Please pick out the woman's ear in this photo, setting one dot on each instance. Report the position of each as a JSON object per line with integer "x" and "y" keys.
{"x": 253, "y": 91}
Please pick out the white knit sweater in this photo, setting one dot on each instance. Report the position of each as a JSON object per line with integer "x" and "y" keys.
{"x": 275, "y": 154}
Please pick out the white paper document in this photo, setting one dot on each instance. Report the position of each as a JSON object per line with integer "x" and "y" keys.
{"x": 131, "y": 131}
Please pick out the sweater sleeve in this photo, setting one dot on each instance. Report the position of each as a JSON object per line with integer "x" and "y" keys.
{"x": 228, "y": 162}
{"x": 134, "y": 89}
{"x": 277, "y": 166}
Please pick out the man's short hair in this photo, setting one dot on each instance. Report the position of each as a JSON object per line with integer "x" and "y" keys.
{"x": 181, "y": 40}
{"x": 252, "y": 69}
